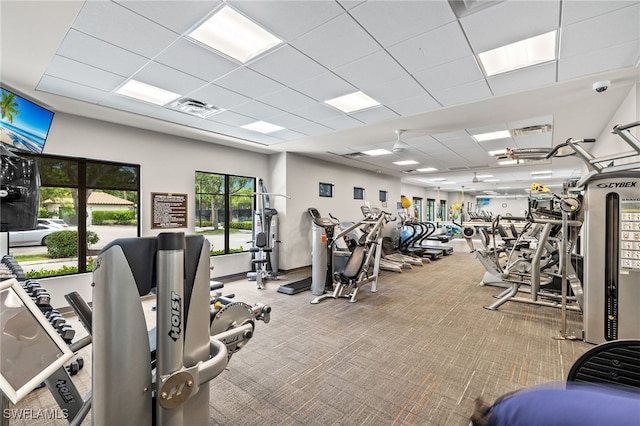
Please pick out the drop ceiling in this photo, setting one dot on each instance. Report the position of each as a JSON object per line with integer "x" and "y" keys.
{"x": 417, "y": 58}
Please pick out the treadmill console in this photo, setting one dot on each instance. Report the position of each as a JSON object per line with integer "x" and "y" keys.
{"x": 318, "y": 220}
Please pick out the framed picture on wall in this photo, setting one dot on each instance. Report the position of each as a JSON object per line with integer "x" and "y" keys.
{"x": 358, "y": 193}
{"x": 326, "y": 189}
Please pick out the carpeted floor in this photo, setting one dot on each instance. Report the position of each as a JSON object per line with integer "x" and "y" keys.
{"x": 417, "y": 352}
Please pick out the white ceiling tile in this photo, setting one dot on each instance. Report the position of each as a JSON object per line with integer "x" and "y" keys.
{"x": 97, "y": 53}
{"x": 193, "y": 59}
{"x": 218, "y": 96}
{"x": 535, "y": 140}
{"x": 83, "y": 74}
{"x": 391, "y": 22}
{"x": 337, "y": 42}
{"x": 114, "y": 24}
{"x": 575, "y": 10}
{"x": 455, "y": 73}
{"x": 167, "y": 78}
{"x": 297, "y": 66}
{"x": 523, "y": 79}
{"x": 289, "y": 121}
{"x": 447, "y": 136}
{"x": 497, "y": 144}
{"x": 324, "y": 87}
{"x": 231, "y": 118}
{"x": 614, "y": 28}
{"x": 178, "y": 16}
{"x": 252, "y": 136}
{"x": 413, "y": 105}
{"x": 392, "y": 91}
{"x": 428, "y": 50}
{"x": 371, "y": 70}
{"x": 287, "y": 135}
{"x": 258, "y": 110}
{"x": 318, "y": 113}
{"x": 375, "y": 114}
{"x": 350, "y": 4}
{"x": 288, "y": 19}
{"x": 341, "y": 122}
{"x": 70, "y": 89}
{"x": 249, "y": 83}
{"x": 510, "y": 21}
{"x": 464, "y": 93}
{"x": 288, "y": 100}
{"x": 314, "y": 129}
{"x": 622, "y": 56}
{"x": 128, "y": 104}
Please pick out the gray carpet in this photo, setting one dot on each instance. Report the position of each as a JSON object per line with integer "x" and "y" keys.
{"x": 417, "y": 352}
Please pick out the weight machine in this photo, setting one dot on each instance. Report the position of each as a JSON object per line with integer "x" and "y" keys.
{"x": 363, "y": 263}
{"x": 143, "y": 377}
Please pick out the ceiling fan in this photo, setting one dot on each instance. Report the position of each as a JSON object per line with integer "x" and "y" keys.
{"x": 399, "y": 146}
{"x": 475, "y": 177}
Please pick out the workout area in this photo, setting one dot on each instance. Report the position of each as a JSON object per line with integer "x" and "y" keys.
{"x": 196, "y": 231}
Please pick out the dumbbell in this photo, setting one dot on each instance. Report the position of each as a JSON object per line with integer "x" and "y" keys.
{"x": 56, "y": 319}
{"x": 42, "y": 299}
{"x": 66, "y": 332}
{"x": 51, "y": 312}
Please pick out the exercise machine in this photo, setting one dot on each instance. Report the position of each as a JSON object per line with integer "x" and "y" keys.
{"x": 264, "y": 249}
{"x": 362, "y": 264}
{"x": 322, "y": 234}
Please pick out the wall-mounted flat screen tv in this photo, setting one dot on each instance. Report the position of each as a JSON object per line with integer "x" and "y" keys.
{"x": 24, "y": 125}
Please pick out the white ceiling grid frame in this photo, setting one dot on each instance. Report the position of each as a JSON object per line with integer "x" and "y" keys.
{"x": 85, "y": 75}
{"x": 114, "y": 24}
{"x": 100, "y": 54}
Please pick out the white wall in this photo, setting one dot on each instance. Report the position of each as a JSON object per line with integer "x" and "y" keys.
{"x": 628, "y": 112}
{"x": 167, "y": 164}
{"x": 507, "y": 206}
{"x": 303, "y": 175}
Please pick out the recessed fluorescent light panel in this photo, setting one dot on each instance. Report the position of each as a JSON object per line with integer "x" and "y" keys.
{"x": 545, "y": 172}
{"x": 507, "y": 162}
{"x": 147, "y": 93}
{"x": 405, "y": 162}
{"x": 427, "y": 169}
{"x": 376, "y": 152}
{"x": 498, "y": 152}
{"x": 483, "y": 137}
{"x": 521, "y": 54}
{"x": 262, "y": 127}
{"x": 352, "y": 102}
{"x": 484, "y": 176}
{"x": 230, "y": 33}
{"x": 492, "y": 180}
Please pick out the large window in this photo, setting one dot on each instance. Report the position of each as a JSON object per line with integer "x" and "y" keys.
{"x": 224, "y": 211}
{"x": 417, "y": 208}
{"x": 442, "y": 214}
{"x": 83, "y": 205}
{"x": 431, "y": 209}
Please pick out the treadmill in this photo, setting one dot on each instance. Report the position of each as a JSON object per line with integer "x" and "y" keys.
{"x": 430, "y": 228}
{"x": 410, "y": 245}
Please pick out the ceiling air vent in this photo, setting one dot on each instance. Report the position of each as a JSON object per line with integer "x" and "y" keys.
{"x": 528, "y": 130}
{"x": 409, "y": 172}
{"x": 193, "y": 107}
{"x": 354, "y": 155}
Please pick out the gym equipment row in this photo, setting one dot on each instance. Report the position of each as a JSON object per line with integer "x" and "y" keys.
{"x": 605, "y": 206}
{"x": 139, "y": 376}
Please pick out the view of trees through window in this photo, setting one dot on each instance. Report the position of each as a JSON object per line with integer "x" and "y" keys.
{"x": 65, "y": 241}
{"x": 224, "y": 211}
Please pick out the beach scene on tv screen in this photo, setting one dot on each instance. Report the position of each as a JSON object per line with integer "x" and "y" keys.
{"x": 23, "y": 124}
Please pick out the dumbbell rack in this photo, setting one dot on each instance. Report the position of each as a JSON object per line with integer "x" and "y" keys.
{"x": 10, "y": 268}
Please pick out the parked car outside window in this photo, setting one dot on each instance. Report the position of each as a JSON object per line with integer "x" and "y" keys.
{"x": 54, "y": 223}
{"x": 35, "y": 237}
